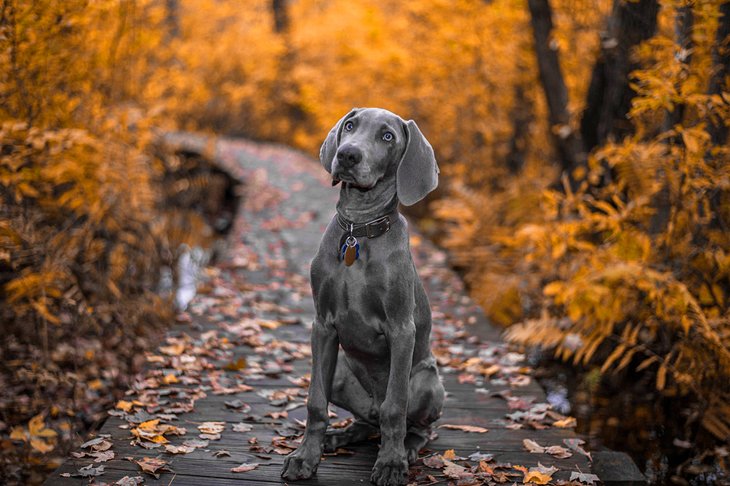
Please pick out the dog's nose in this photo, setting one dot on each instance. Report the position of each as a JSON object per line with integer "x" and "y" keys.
{"x": 348, "y": 156}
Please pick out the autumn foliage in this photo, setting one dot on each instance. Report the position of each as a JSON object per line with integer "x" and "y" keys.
{"x": 616, "y": 261}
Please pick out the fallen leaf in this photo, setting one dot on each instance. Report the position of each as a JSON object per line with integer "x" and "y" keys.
{"x": 485, "y": 468}
{"x": 182, "y": 449}
{"x": 90, "y": 471}
{"x": 124, "y": 405}
{"x": 235, "y": 404}
{"x": 37, "y": 428}
{"x": 558, "y": 452}
{"x": 102, "y": 456}
{"x": 237, "y": 365}
{"x": 152, "y": 466}
{"x": 212, "y": 427}
{"x": 480, "y": 456}
{"x": 435, "y": 462}
{"x": 532, "y": 446}
{"x": 465, "y": 428}
{"x": 195, "y": 443}
{"x": 584, "y": 478}
{"x": 41, "y": 445}
{"x": 566, "y": 423}
{"x": 450, "y": 454}
{"x": 575, "y": 445}
{"x": 93, "y": 442}
{"x": 455, "y": 471}
{"x": 245, "y": 467}
{"x": 173, "y": 350}
{"x": 222, "y": 453}
{"x": 537, "y": 475}
{"x": 170, "y": 379}
{"x": 130, "y": 481}
{"x": 242, "y": 427}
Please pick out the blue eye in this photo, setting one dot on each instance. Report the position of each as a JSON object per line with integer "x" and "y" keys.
{"x": 388, "y": 137}
{"x": 349, "y": 126}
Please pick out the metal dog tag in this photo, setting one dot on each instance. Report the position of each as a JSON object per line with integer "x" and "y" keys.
{"x": 351, "y": 250}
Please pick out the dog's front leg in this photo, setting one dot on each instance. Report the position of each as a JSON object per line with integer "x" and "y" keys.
{"x": 303, "y": 462}
{"x": 391, "y": 467}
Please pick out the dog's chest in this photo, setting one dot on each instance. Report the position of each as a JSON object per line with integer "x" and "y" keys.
{"x": 353, "y": 299}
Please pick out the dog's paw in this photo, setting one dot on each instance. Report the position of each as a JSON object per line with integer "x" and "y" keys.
{"x": 300, "y": 465}
{"x": 390, "y": 472}
{"x": 332, "y": 440}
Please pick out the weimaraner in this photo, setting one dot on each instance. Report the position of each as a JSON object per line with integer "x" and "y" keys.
{"x": 370, "y": 301}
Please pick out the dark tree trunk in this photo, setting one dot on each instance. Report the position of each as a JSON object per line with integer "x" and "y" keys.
{"x": 172, "y": 18}
{"x": 281, "y": 15}
{"x": 609, "y": 94}
{"x": 684, "y": 21}
{"x": 720, "y": 62}
{"x": 286, "y": 89}
{"x": 521, "y": 116}
{"x": 568, "y": 143}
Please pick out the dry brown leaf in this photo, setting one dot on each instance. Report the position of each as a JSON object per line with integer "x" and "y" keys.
{"x": 182, "y": 449}
{"x": 245, "y": 467}
{"x": 435, "y": 462}
{"x": 152, "y": 466}
{"x": 212, "y": 427}
{"x": 532, "y": 446}
{"x": 465, "y": 428}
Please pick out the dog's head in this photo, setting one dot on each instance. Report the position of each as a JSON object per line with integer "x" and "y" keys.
{"x": 370, "y": 144}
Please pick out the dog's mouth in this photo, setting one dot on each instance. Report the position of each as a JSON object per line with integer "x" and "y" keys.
{"x": 349, "y": 182}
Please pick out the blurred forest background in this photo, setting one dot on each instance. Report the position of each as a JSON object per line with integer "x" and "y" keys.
{"x": 585, "y": 191}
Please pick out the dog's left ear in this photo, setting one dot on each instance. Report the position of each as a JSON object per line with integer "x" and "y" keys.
{"x": 329, "y": 147}
{"x": 418, "y": 172}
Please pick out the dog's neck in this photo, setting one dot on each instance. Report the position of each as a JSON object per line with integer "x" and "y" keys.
{"x": 362, "y": 206}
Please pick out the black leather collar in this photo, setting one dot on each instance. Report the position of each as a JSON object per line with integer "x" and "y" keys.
{"x": 371, "y": 229}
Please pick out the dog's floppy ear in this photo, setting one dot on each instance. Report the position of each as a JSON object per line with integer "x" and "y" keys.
{"x": 418, "y": 172}
{"x": 329, "y": 147}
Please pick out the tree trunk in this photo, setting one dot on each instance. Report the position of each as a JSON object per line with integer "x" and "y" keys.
{"x": 609, "y": 94}
{"x": 568, "y": 142}
{"x": 521, "y": 115}
{"x": 281, "y": 15}
{"x": 683, "y": 23}
{"x": 286, "y": 90}
{"x": 172, "y": 18}
{"x": 720, "y": 62}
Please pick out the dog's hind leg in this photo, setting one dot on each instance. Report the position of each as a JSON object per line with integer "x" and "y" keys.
{"x": 426, "y": 398}
{"x": 348, "y": 393}
{"x": 357, "y": 431}
{"x": 416, "y": 439}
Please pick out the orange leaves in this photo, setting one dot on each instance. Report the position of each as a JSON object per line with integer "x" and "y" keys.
{"x": 40, "y": 438}
{"x": 537, "y": 475}
{"x": 153, "y": 431}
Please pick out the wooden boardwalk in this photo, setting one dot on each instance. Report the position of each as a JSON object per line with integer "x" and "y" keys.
{"x": 228, "y": 385}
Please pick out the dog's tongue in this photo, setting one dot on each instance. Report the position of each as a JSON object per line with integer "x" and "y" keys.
{"x": 335, "y": 182}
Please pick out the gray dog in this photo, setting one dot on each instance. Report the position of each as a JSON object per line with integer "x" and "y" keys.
{"x": 370, "y": 301}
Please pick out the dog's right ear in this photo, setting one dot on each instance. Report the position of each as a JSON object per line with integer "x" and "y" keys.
{"x": 329, "y": 147}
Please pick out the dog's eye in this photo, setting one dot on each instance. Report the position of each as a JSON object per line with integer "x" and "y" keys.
{"x": 388, "y": 137}
{"x": 349, "y": 126}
